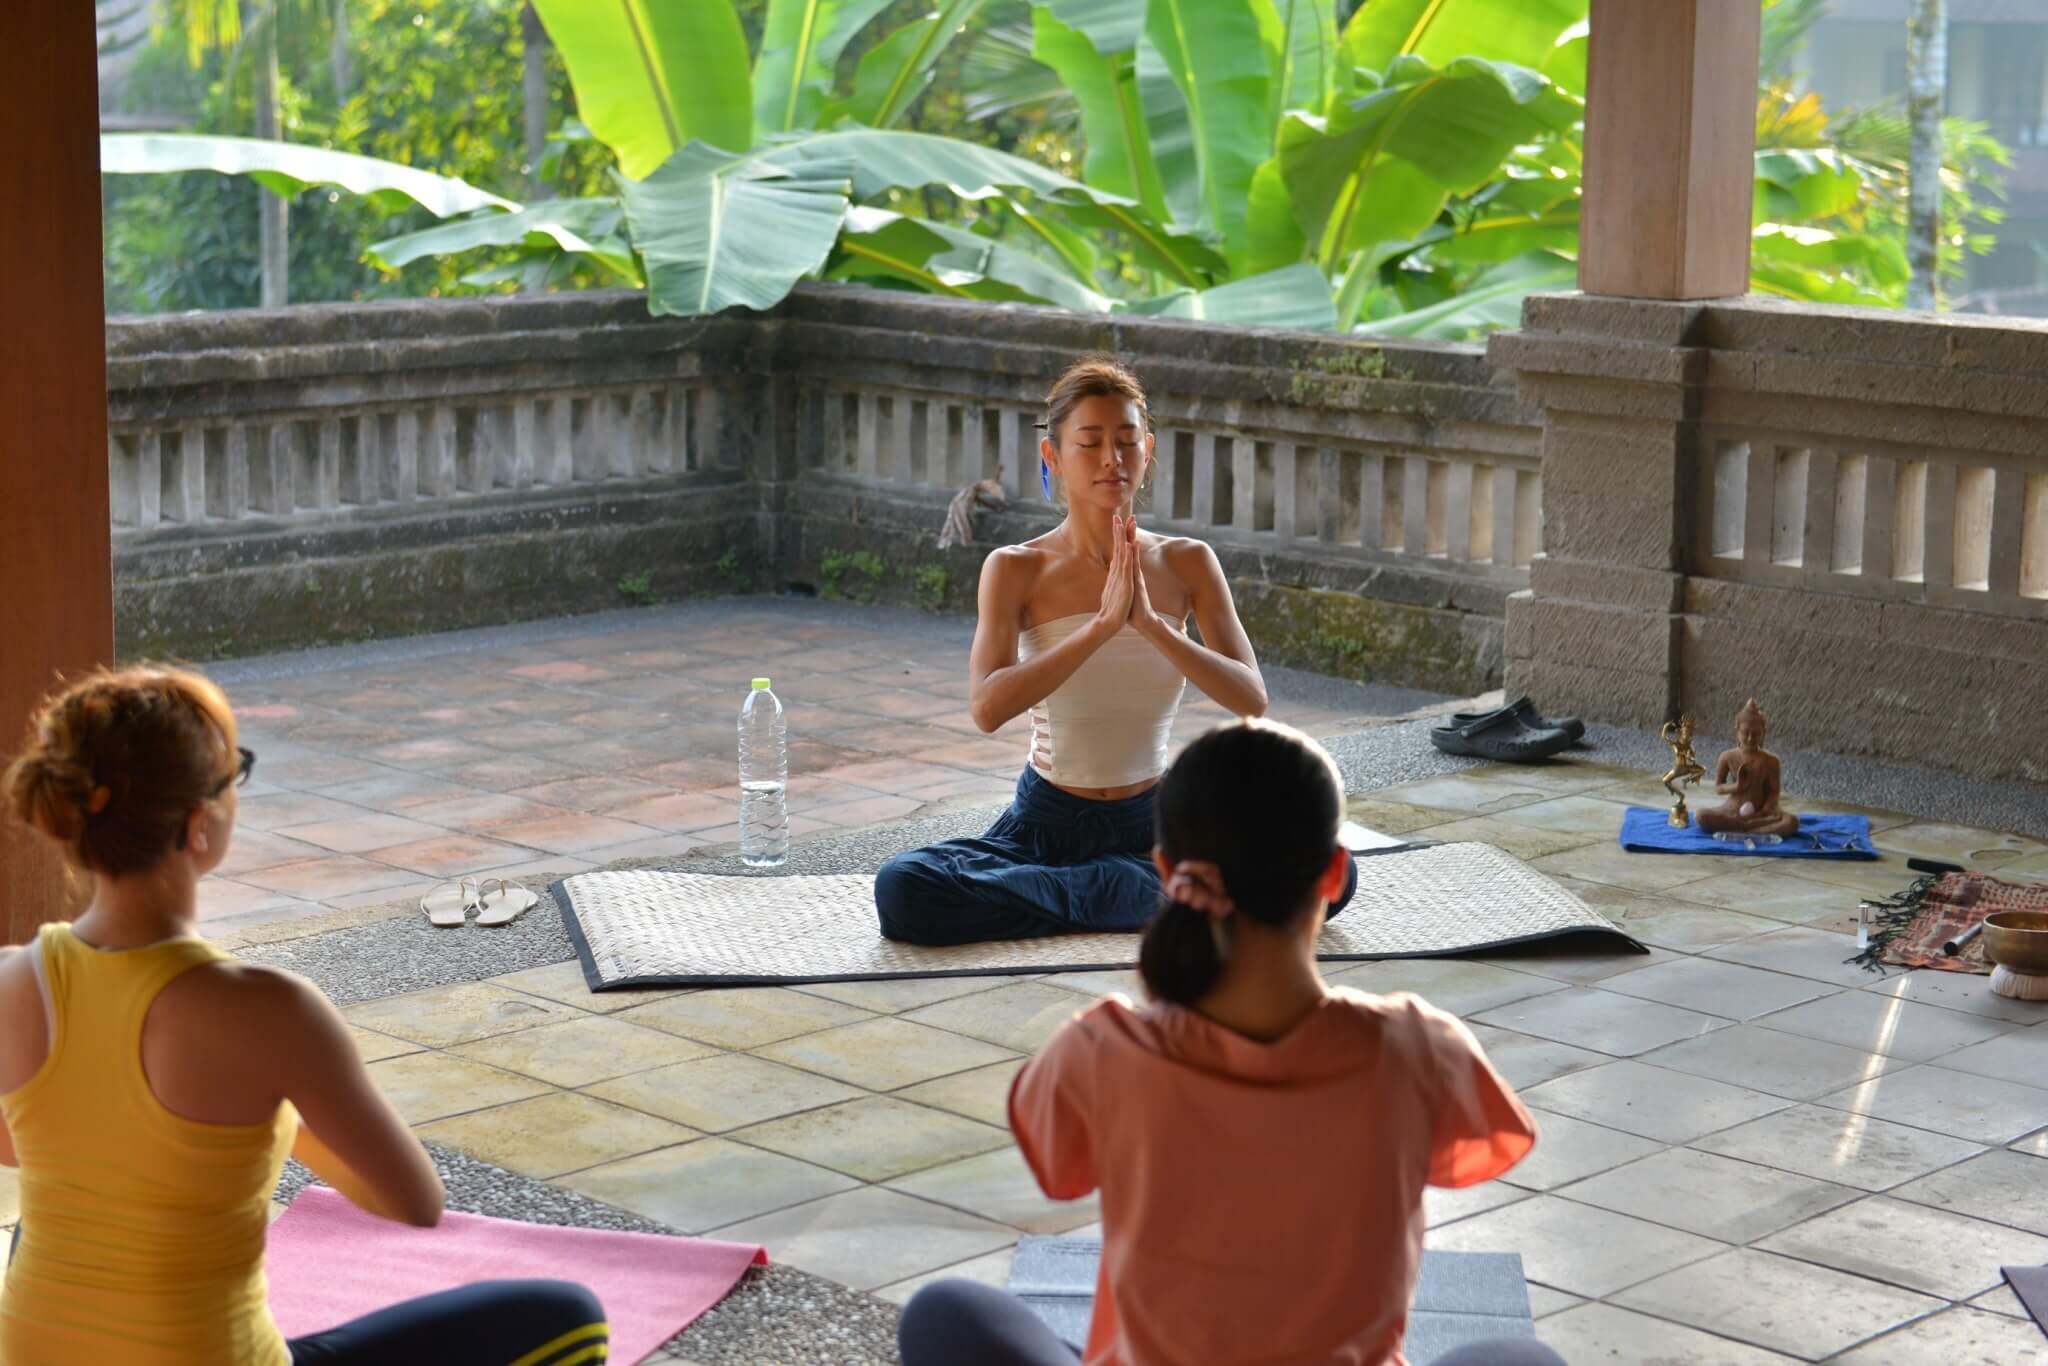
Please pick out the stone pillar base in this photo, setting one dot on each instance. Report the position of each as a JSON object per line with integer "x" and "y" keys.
{"x": 1602, "y": 663}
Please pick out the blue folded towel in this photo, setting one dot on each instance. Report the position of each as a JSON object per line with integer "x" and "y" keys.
{"x": 1646, "y": 831}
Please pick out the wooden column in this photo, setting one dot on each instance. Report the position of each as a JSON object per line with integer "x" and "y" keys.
{"x": 56, "y": 568}
{"x": 1670, "y": 148}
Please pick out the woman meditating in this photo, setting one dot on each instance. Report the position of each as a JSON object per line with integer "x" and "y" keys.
{"x": 1083, "y": 627}
{"x": 1260, "y": 1140}
{"x": 151, "y": 1086}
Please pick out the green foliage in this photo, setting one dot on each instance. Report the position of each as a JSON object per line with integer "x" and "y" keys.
{"x": 865, "y": 568}
{"x": 729, "y": 566}
{"x": 930, "y": 582}
{"x": 640, "y": 588}
{"x": 1397, "y": 167}
{"x": 435, "y": 84}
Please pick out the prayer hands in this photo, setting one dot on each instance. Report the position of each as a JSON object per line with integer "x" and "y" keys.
{"x": 1142, "y": 616}
{"x": 1199, "y": 886}
{"x": 1120, "y": 589}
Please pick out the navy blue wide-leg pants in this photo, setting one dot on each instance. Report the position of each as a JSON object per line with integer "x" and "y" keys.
{"x": 1053, "y": 863}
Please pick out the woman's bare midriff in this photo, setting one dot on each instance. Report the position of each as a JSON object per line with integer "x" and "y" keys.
{"x": 1107, "y": 794}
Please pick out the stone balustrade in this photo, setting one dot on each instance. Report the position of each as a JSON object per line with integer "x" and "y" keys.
{"x": 1841, "y": 512}
{"x": 334, "y": 471}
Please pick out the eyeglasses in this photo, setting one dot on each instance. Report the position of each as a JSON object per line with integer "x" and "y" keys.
{"x": 244, "y": 766}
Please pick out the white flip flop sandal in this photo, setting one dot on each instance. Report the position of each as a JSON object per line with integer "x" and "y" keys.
{"x": 505, "y": 905}
{"x": 447, "y": 907}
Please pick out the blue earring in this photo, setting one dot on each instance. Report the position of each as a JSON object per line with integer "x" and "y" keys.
{"x": 1045, "y": 479}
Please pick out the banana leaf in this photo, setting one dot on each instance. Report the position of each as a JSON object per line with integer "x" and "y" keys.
{"x": 1818, "y": 286}
{"x": 1489, "y": 303}
{"x": 894, "y": 72}
{"x": 1439, "y": 31}
{"x": 1883, "y": 259}
{"x": 1566, "y": 64}
{"x": 1119, "y": 155}
{"x": 1112, "y": 25}
{"x": 999, "y": 75}
{"x": 1511, "y": 217}
{"x": 955, "y": 261}
{"x": 1301, "y": 50}
{"x": 1182, "y": 256}
{"x": 1295, "y": 297}
{"x": 652, "y": 76}
{"x": 1214, "y": 54}
{"x": 886, "y": 158}
{"x": 1170, "y": 128}
{"x": 1272, "y": 238}
{"x": 718, "y": 229}
{"x": 288, "y": 167}
{"x": 800, "y": 45}
{"x": 588, "y": 226}
{"x": 1381, "y": 168}
{"x": 1796, "y": 186}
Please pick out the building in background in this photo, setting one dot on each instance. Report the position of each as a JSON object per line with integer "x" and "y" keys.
{"x": 1997, "y": 75}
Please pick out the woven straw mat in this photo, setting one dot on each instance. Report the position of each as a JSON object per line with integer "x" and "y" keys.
{"x": 661, "y": 927}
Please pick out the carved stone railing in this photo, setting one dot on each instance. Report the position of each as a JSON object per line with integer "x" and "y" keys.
{"x": 1413, "y": 457}
{"x": 341, "y": 470}
{"x": 236, "y": 417}
{"x": 1843, "y": 513}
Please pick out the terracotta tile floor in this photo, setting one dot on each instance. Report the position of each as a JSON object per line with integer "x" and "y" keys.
{"x": 376, "y": 781}
{"x": 1751, "y": 1154}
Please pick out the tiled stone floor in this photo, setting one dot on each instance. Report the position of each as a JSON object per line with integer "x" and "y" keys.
{"x": 1751, "y": 1153}
{"x": 377, "y": 781}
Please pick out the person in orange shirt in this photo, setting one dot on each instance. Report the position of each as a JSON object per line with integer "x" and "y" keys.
{"x": 1260, "y": 1139}
{"x": 151, "y": 1086}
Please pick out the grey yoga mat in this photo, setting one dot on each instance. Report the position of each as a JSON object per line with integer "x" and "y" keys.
{"x": 1460, "y": 1297}
{"x": 679, "y": 927}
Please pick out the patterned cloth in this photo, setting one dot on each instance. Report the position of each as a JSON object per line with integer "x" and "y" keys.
{"x": 1914, "y": 925}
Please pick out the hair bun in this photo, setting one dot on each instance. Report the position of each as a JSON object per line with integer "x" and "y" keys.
{"x": 53, "y": 794}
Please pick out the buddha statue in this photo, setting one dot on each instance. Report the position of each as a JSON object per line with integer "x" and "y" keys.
{"x": 1748, "y": 777}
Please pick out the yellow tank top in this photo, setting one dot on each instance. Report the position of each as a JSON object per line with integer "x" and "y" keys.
{"x": 141, "y": 1231}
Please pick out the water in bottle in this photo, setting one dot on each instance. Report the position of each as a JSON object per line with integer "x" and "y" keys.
{"x": 764, "y": 780}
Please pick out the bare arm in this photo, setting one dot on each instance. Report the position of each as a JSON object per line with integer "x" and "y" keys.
{"x": 999, "y": 686}
{"x": 1223, "y": 665}
{"x": 23, "y": 1041}
{"x": 350, "y": 1136}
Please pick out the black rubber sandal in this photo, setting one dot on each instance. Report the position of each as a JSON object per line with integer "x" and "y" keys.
{"x": 1526, "y": 709}
{"x": 1503, "y": 735}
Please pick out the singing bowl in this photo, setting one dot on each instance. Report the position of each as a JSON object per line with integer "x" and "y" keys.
{"x": 2018, "y": 940}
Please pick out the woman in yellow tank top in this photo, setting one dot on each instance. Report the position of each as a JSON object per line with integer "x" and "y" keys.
{"x": 151, "y": 1086}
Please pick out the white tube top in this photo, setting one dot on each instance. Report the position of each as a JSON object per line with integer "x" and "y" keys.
{"x": 1109, "y": 724}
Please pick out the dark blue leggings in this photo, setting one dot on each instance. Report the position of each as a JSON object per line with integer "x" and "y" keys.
{"x": 491, "y": 1323}
{"x": 952, "y": 1322}
{"x": 1053, "y": 863}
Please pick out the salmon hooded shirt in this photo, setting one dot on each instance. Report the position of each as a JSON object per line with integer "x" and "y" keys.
{"x": 1261, "y": 1202}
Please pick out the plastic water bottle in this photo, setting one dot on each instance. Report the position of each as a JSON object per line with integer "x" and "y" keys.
{"x": 764, "y": 780}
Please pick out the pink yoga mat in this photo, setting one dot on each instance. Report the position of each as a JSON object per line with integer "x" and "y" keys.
{"x": 328, "y": 1262}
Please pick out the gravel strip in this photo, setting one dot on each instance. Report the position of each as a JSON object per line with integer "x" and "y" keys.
{"x": 776, "y": 1314}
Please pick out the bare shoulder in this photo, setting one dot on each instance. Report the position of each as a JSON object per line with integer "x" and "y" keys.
{"x": 244, "y": 996}
{"x": 1190, "y": 561}
{"x": 1012, "y": 569}
{"x": 16, "y": 976}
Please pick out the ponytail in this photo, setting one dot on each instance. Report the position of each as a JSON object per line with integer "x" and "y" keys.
{"x": 1179, "y": 958}
{"x": 1257, "y": 804}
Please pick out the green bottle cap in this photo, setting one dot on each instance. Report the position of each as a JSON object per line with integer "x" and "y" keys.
{"x": 760, "y": 685}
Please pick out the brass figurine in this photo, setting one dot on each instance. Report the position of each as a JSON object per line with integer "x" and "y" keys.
{"x": 1748, "y": 777}
{"x": 1685, "y": 768}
